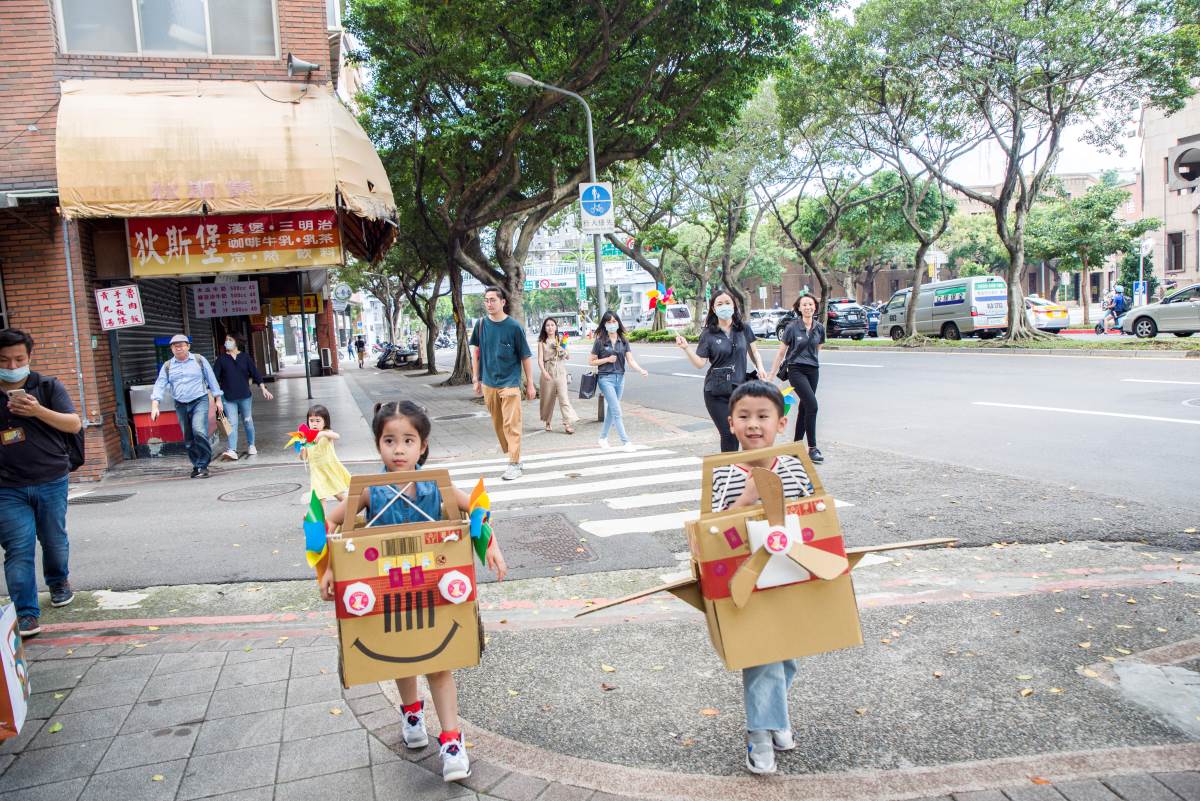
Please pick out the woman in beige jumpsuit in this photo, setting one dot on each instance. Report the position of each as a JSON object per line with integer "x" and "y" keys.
{"x": 552, "y": 358}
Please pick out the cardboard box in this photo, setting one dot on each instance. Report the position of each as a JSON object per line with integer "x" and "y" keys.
{"x": 14, "y": 700}
{"x": 405, "y": 596}
{"x": 772, "y": 579}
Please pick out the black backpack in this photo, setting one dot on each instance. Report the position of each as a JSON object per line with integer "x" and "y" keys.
{"x": 74, "y": 442}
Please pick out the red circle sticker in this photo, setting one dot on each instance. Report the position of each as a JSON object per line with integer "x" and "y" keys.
{"x": 455, "y": 587}
{"x": 359, "y": 598}
{"x": 777, "y": 541}
{"x": 544, "y": 283}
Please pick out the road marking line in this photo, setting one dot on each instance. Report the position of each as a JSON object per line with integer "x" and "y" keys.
{"x": 847, "y": 364}
{"x": 688, "y": 375}
{"x": 564, "y": 490}
{"x": 660, "y": 498}
{"x": 1090, "y": 412}
{"x": 667, "y": 521}
{"x": 503, "y": 460}
{"x": 598, "y": 470}
{"x": 1156, "y": 381}
{"x": 583, "y": 455}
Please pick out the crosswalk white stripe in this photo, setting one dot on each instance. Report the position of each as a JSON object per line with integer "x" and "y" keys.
{"x": 538, "y": 457}
{"x": 598, "y": 470}
{"x": 646, "y": 523}
{"x": 652, "y": 499}
{"x": 585, "y": 455}
{"x": 572, "y": 488}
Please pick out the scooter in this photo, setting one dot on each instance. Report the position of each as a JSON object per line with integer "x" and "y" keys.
{"x": 1120, "y": 321}
{"x": 388, "y": 358}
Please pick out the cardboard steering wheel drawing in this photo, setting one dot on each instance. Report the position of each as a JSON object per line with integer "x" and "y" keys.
{"x": 772, "y": 579}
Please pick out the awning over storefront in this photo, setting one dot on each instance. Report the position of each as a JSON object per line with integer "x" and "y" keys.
{"x": 154, "y": 148}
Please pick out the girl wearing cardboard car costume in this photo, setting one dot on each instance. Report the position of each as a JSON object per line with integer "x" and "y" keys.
{"x": 402, "y": 432}
{"x": 756, "y": 416}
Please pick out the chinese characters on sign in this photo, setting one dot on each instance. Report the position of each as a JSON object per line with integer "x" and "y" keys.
{"x": 226, "y": 300}
{"x": 233, "y": 243}
{"x": 120, "y": 307}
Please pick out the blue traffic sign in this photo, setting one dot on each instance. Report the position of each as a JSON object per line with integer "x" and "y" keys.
{"x": 596, "y": 201}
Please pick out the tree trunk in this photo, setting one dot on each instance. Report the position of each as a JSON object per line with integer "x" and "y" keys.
{"x": 700, "y": 309}
{"x": 461, "y": 374}
{"x": 1055, "y": 284}
{"x": 910, "y": 310}
{"x": 1085, "y": 292}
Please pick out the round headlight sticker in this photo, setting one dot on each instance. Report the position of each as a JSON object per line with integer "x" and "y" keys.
{"x": 359, "y": 598}
{"x": 455, "y": 587}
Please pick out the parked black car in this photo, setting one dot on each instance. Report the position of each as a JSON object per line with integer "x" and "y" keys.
{"x": 846, "y": 319}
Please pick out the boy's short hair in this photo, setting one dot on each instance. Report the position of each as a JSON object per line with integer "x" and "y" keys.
{"x": 758, "y": 389}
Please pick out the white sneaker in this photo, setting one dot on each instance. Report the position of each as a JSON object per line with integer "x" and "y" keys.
{"x": 413, "y": 729}
{"x": 253, "y": 451}
{"x": 603, "y": 442}
{"x": 513, "y": 472}
{"x": 628, "y": 446}
{"x": 783, "y": 740}
{"x": 456, "y": 765}
{"x": 230, "y": 456}
{"x": 760, "y": 755}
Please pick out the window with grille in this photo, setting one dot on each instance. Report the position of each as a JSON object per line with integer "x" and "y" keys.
{"x": 189, "y": 28}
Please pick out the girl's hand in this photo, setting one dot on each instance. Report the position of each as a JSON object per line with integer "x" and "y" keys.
{"x": 495, "y": 560}
{"x": 642, "y": 370}
{"x": 327, "y": 584}
{"x": 680, "y": 342}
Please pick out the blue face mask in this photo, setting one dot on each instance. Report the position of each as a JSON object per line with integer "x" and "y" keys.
{"x": 610, "y": 328}
{"x": 15, "y": 375}
{"x": 724, "y": 312}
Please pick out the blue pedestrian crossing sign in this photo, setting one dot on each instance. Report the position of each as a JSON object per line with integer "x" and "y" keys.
{"x": 596, "y": 208}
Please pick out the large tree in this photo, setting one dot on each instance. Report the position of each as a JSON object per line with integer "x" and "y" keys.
{"x": 487, "y": 155}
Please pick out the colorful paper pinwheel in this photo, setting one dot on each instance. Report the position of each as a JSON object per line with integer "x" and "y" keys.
{"x": 305, "y": 437}
{"x": 315, "y": 545}
{"x": 479, "y": 509}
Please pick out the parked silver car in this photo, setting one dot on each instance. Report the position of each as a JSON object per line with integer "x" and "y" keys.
{"x": 1177, "y": 313}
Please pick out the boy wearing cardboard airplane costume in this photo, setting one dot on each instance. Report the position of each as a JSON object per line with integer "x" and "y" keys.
{"x": 771, "y": 590}
{"x": 435, "y": 584}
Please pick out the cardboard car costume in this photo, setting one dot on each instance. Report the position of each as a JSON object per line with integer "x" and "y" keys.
{"x": 772, "y": 579}
{"x": 404, "y": 595}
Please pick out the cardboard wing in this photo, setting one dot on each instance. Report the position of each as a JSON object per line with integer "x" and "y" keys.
{"x": 773, "y": 579}
{"x": 404, "y": 595}
{"x": 14, "y": 700}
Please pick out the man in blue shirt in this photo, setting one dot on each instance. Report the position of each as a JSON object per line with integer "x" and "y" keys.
{"x": 190, "y": 378}
{"x": 500, "y": 352}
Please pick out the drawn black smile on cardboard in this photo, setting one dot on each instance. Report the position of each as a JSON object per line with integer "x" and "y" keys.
{"x": 358, "y": 643}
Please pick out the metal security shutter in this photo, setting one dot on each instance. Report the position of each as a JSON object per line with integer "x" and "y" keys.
{"x": 160, "y": 301}
{"x": 200, "y": 330}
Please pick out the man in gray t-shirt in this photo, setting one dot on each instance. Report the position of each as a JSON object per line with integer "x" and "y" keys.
{"x": 499, "y": 353}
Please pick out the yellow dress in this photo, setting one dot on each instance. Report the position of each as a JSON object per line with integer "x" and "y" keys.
{"x": 329, "y": 477}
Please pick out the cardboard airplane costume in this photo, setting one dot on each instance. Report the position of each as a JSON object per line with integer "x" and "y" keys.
{"x": 404, "y": 595}
{"x": 772, "y": 579}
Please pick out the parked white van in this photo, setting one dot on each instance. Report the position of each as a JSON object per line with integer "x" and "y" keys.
{"x": 974, "y": 306}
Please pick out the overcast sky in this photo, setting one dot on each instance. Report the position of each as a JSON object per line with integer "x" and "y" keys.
{"x": 985, "y": 164}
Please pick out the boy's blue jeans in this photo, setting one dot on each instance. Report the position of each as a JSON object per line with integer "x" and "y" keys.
{"x": 612, "y": 387}
{"x": 28, "y": 515}
{"x": 766, "y": 688}
{"x": 237, "y": 410}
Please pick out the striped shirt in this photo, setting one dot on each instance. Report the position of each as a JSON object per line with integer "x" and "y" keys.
{"x": 729, "y": 481}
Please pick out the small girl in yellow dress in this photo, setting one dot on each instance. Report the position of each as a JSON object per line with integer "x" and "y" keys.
{"x": 328, "y": 476}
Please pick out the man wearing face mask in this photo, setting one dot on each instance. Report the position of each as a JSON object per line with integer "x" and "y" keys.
{"x": 35, "y": 413}
{"x": 235, "y": 371}
{"x": 191, "y": 379}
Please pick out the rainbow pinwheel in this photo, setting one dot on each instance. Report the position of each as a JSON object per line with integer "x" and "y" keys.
{"x": 479, "y": 509}
{"x": 305, "y": 437}
{"x": 789, "y": 400}
{"x": 315, "y": 545}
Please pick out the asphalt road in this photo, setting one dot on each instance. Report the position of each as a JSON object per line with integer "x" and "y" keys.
{"x": 1126, "y": 427}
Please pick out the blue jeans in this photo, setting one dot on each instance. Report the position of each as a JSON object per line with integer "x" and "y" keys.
{"x": 612, "y": 387}
{"x": 28, "y": 515}
{"x": 193, "y": 419}
{"x": 766, "y": 688}
{"x": 240, "y": 410}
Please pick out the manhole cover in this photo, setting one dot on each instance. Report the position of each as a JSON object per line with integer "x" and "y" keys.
{"x": 82, "y": 499}
{"x": 259, "y": 492}
{"x": 541, "y": 541}
{"x": 464, "y": 416}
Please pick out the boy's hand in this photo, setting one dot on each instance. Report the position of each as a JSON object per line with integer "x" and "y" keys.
{"x": 495, "y": 560}
{"x": 327, "y": 585}
{"x": 749, "y": 495}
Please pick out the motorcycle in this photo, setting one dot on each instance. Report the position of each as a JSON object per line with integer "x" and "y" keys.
{"x": 387, "y": 358}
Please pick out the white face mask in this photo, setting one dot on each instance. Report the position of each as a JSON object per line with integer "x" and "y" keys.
{"x": 230, "y": 344}
{"x": 610, "y": 328}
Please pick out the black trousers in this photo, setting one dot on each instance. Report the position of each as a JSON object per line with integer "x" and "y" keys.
{"x": 803, "y": 379}
{"x": 718, "y": 410}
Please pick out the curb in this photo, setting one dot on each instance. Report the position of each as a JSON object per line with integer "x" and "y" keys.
{"x": 1099, "y": 352}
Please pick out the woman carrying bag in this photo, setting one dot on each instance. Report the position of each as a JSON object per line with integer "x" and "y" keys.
{"x": 802, "y": 341}
{"x": 726, "y": 343}
{"x": 552, "y": 359}
{"x": 610, "y": 353}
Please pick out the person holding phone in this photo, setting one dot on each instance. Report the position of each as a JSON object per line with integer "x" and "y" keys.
{"x": 35, "y": 414}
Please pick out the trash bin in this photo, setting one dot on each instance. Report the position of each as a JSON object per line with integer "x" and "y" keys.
{"x": 314, "y": 367}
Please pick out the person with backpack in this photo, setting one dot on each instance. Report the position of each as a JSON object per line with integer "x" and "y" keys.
{"x": 191, "y": 379}
{"x": 40, "y": 443}
{"x": 1117, "y": 306}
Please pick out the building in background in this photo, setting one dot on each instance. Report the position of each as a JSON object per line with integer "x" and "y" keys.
{"x": 1170, "y": 180}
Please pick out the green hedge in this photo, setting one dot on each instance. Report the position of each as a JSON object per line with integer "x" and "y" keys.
{"x": 646, "y": 335}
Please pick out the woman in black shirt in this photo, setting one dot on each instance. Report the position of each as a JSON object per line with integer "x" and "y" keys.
{"x": 802, "y": 340}
{"x": 235, "y": 372}
{"x": 725, "y": 344}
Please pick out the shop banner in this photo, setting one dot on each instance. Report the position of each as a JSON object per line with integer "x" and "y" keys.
{"x": 120, "y": 307}
{"x": 226, "y": 300}
{"x": 281, "y": 307}
{"x": 162, "y": 246}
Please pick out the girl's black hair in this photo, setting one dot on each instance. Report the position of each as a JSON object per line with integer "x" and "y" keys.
{"x": 758, "y": 389}
{"x": 387, "y": 411}
{"x": 317, "y": 410}
{"x": 543, "y": 335}
{"x": 602, "y": 331}
{"x": 803, "y": 295}
{"x": 712, "y": 320}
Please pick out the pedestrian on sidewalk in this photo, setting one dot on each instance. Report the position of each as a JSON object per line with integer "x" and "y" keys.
{"x": 552, "y": 358}
{"x": 360, "y": 347}
{"x": 35, "y": 414}
{"x": 726, "y": 344}
{"x": 235, "y": 371}
{"x": 499, "y": 354}
{"x": 610, "y": 352}
{"x": 800, "y": 356}
{"x": 191, "y": 379}
{"x": 402, "y": 432}
{"x": 327, "y": 476}
{"x": 757, "y": 416}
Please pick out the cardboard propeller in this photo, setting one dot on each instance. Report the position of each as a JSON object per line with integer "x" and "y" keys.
{"x": 821, "y": 564}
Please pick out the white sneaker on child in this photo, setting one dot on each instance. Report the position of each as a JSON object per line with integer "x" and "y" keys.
{"x": 456, "y": 765}
{"x": 602, "y": 442}
{"x": 413, "y": 729}
{"x": 783, "y": 740}
{"x": 760, "y": 753}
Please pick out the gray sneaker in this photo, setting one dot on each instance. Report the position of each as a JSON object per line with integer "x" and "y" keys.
{"x": 456, "y": 765}
{"x": 783, "y": 740}
{"x": 760, "y": 752}
{"x": 513, "y": 472}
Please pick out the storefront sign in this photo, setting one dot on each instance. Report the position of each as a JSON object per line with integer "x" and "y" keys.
{"x": 226, "y": 300}
{"x": 281, "y": 307}
{"x": 291, "y": 240}
{"x": 120, "y": 307}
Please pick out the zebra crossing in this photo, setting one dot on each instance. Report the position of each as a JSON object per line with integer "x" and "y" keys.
{"x": 645, "y": 487}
